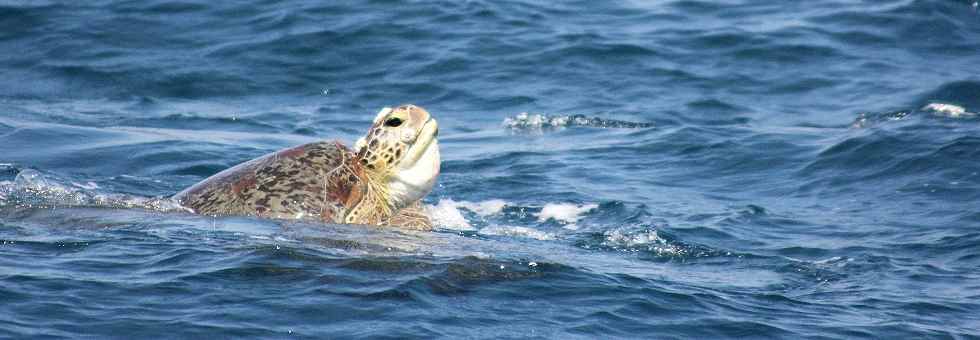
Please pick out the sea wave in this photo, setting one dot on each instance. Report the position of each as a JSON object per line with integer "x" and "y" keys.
{"x": 526, "y": 120}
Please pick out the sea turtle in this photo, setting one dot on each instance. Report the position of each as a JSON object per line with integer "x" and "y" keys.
{"x": 380, "y": 182}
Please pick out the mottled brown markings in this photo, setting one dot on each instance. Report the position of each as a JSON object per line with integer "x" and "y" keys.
{"x": 292, "y": 152}
{"x": 246, "y": 182}
{"x": 314, "y": 180}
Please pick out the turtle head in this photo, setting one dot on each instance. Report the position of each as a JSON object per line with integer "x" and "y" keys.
{"x": 401, "y": 153}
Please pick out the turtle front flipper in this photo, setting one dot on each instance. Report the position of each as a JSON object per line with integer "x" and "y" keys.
{"x": 412, "y": 217}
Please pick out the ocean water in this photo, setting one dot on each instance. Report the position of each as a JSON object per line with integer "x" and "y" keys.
{"x": 611, "y": 169}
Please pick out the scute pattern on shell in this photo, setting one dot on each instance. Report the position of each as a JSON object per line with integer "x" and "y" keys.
{"x": 314, "y": 181}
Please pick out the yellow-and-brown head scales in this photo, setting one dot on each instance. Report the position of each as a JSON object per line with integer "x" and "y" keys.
{"x": 401, "y": 151}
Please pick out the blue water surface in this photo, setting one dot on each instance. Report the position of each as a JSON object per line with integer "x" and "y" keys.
{"x": 611, "y": 169}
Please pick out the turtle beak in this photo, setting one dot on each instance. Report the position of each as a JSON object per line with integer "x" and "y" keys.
{"x": 428, "y": 133}
{"x": 426, "y": 128}
{"x": 425, "y": 139}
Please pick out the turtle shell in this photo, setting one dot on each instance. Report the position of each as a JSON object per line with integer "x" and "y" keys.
{"x": 316, "y": 181}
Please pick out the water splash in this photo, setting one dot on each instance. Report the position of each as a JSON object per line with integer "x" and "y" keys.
{"x": 868, "y": 119}
{"x": 531, "y": 121}
{"x": 33, "y": 189}
{"x": 948, "y": 110}
{"x": 649, "y": 241}
{"x": 515, "y": 231}
{"x": 490, "y": 218}
{"x": 567, "y": 214}
{"x": 446, "y": 214}
{"x": 623, "y": 238}
{"x": 485, "y": 208}
{"x": 464, "y": 215}
{"x": 935, "y": 109}
{"x": 646, "y": 240}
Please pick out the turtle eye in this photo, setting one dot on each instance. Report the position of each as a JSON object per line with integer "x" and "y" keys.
{"x": 393, "y": 122}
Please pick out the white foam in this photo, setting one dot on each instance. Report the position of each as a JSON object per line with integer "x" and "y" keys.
{"x": 485, "y": 208}
{"x": 446, "y": 214}
{"x": 567, "y": 213}
{"x": 449, "y": 214}
{"x": 517, "y": 232}
{"x": 948, "y": 110}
